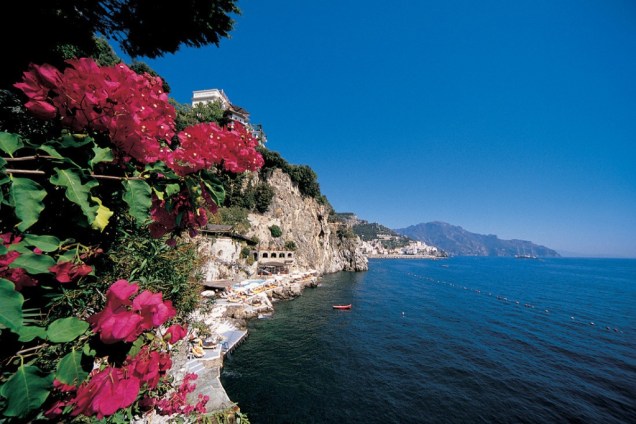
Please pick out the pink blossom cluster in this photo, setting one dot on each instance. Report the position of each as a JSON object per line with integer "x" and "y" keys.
{"x": 112, "y": 388}
{"x": 18, "y": 276}
{"x": 124, "y": 319}
{"x": 206, "y": 144}
{"x": 181, "y": 213}
{"x": 177, "y": 402}
{"x": 67, "y": 271}
{"x": 134, "y": 111}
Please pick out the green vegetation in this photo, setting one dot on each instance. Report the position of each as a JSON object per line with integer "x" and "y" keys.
{"x": 203, "y": 112}
{"x": 156, "y": 266}
{"x": 275, "y": 231}
{"x": 263, "y": 195}
{"x": 235, "y": 216}
{"x": 374, "y": 231}
{"x": 371, "y": 231}
{"x": 290, "y": 245}
{"x": 82, "y": 215}
{"x": 345, "y": 232}
{"x": 301, "y": 175}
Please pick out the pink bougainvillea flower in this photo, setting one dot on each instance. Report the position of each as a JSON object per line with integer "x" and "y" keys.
{"x": 38, "y": 81}
{"x": 153, "y": 309}
{"x": 63, "y": 387}
{"x": 67, "y": 271}
{"x": 119, "y": 293}
{"x": 108, "y": 391}
{"x": 18, "y": 276}
{"x": 123, "y": 319}
{"x": 174, "y": 333}
{"x": 116, "y": 327}
{"x": 149, "y": 366}
{"x": 55, "y": 410}
{"x": 116, "y": 322}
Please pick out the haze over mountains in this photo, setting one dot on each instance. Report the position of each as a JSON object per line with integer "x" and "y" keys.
{"x": 456, "y": 241}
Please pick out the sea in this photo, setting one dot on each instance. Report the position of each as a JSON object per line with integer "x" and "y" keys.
{"x": 456, "y": 340}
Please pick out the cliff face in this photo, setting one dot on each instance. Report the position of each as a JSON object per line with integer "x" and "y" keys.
{"x": 319, "y": 244}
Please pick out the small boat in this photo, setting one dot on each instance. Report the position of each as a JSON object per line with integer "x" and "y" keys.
{"x": 342, "y": 306}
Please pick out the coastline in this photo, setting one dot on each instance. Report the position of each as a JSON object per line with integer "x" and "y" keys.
{"x": 401, "y": 256}
{"x": 226, "y": 321}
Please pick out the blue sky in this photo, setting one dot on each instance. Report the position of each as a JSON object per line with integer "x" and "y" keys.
{"x": 514, "y": 118}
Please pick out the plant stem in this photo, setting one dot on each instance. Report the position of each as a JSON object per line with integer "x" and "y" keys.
{"x": 96, "y": 176}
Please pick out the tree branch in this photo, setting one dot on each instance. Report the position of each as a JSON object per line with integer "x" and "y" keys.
{"x": 96, "y": 176}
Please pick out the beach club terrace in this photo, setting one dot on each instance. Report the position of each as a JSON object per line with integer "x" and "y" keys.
{"x": 273, "y": 261}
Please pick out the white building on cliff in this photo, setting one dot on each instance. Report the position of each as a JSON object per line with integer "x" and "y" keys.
{"x": 233, "y": 112}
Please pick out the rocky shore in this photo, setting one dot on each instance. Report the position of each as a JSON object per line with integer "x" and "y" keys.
{"x": 226, "y": 321}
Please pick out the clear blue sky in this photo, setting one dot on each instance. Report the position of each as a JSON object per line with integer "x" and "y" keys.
{"x": 514, "y": 118}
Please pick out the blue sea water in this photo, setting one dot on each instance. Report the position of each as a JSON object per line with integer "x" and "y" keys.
{"x": 459, "y": 340}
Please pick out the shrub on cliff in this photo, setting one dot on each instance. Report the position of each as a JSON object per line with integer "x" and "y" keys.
{"x": 275, "y": 231}
{"x": 235, "y": 216}
{"x": 302, "y": 175}
{"x": 263, "y": 195}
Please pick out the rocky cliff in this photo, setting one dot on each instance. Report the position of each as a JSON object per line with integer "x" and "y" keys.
{"x": 320, "y": 245}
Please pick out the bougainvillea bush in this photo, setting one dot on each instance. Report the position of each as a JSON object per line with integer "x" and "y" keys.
{"x": 106, "y": 163}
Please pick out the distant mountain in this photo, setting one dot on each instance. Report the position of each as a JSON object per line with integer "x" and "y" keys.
{"x": 458, "y": 242}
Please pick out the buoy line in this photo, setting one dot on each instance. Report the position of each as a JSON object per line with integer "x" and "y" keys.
{"x": 526, "y": 305}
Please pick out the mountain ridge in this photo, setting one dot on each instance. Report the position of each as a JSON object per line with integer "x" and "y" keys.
{"x": 457, "y": 241}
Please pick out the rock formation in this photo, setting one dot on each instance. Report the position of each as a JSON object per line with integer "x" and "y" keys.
{"x": 319, "y": 244}
{"x": 322, "y": 246}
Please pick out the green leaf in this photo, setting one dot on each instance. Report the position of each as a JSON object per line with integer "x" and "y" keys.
{"x": 20, "y": 247}
{"x": 9, "y": 142}
{"x": 51, "y": 151}
{"x": 102, "y": 216}
{"x": 11, "y": 302}
{"x": 158, "y": 193}
{"x": 136, "y": 346}
{"x": 30, "y": 332}
{"x": 68, "y": 256}
{"x": 25, "y": 391}
{"x": 44, "y": 243}
{"x": 76, "y": 192}
{"x": 137, "y": 196}
{"x": 101, "y": 155}
{"x": 66, "y": 329}
{"x": 70, "y": 370}
{"x": 88, "y": 351}
{"x": 75, "y": 140}
{"x": 3, "y": 249}
{"x": 33, "y": 264}
{"x": 215, "y": 188}
{"x": 26, "y": 197}
{"x": 172, "y": 189}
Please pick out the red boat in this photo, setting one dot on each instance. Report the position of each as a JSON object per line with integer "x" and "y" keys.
{"x": 342, "y": 306}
